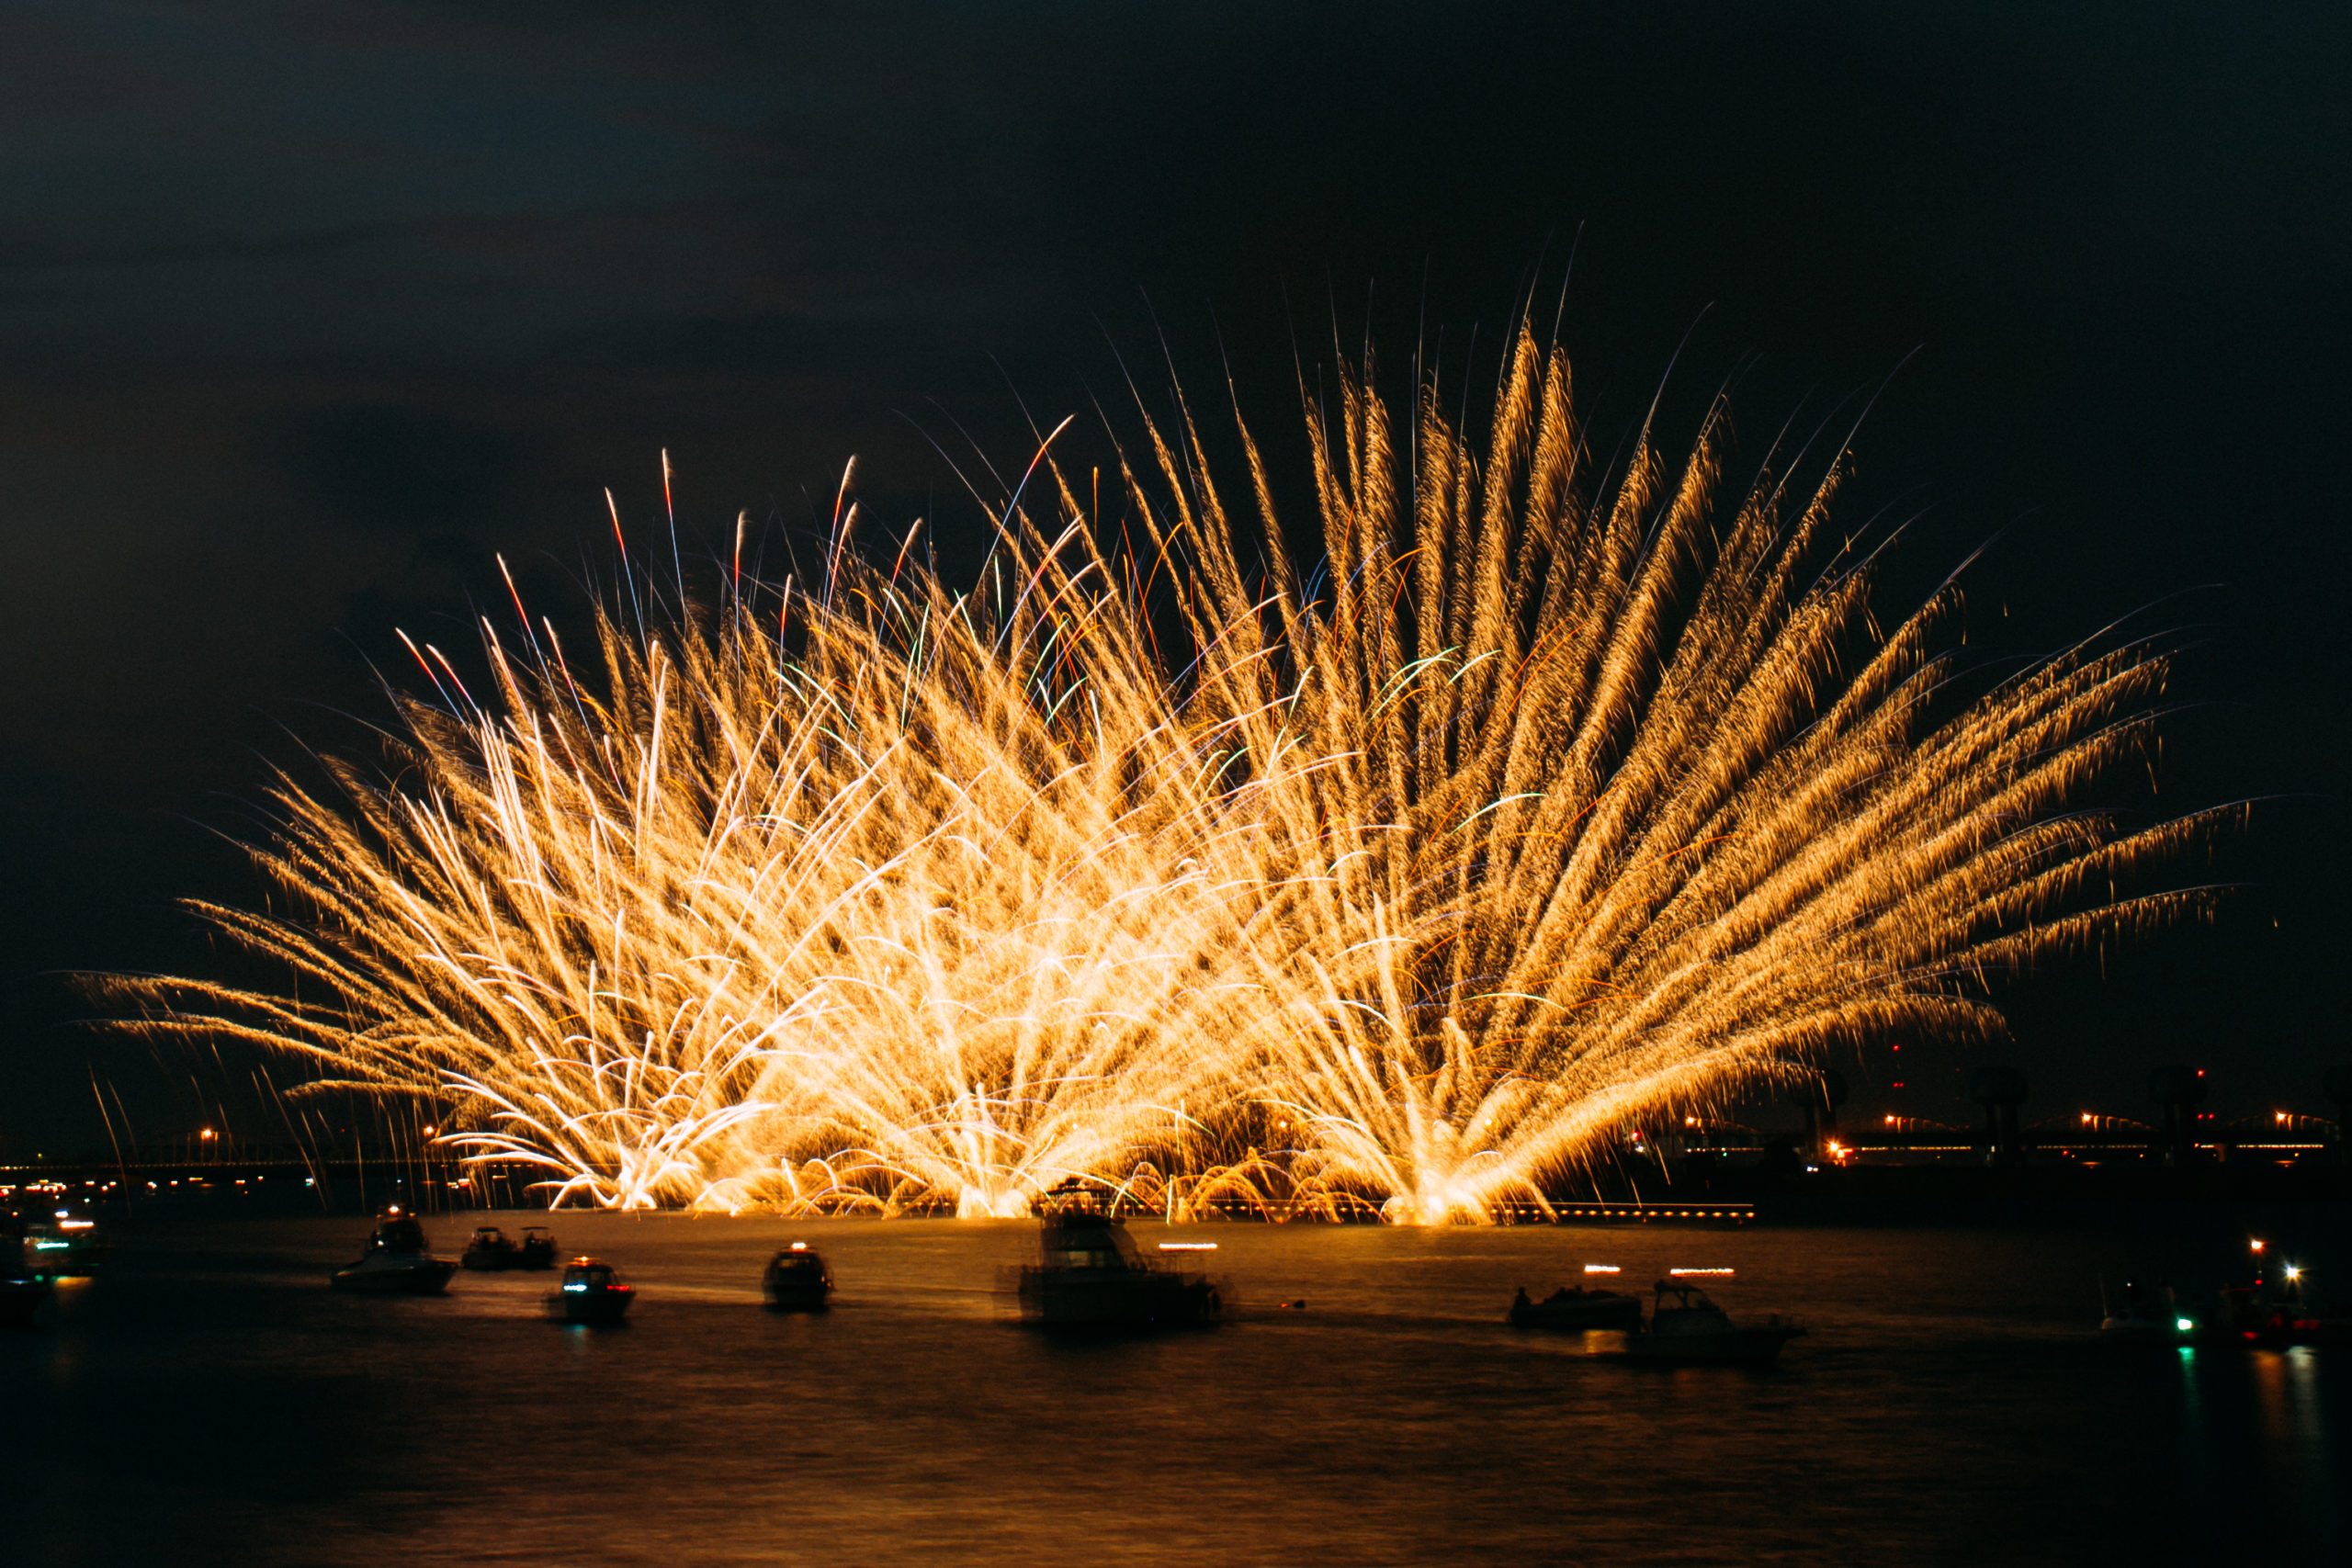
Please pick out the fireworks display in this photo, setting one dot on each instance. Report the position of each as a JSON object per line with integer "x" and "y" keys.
{"x": 1545, "y": 803}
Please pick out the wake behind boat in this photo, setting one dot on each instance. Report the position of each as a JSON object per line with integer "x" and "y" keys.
{"x": 397, "y": 1263}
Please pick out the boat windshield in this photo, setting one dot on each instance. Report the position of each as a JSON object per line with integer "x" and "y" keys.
{"x": 1687, "y": 1301}
{"x": 403, "y": 1235}
{"x": 1088, "y": 1241}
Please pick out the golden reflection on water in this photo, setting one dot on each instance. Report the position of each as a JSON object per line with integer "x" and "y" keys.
{"x": 228, "y": 1407}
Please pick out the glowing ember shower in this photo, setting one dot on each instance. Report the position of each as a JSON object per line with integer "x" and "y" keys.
{"x": 1620, "y": 799}
{"x": 1539, "y": 807}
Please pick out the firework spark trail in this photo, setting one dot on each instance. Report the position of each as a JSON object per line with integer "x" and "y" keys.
{"x": 1613, "y": 834}
{"x": 933, "y": 904}
{"x": 1550, "y": 809}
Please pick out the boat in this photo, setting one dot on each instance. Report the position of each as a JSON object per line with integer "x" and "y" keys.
{"x": 397, "y": 1263}
{"x": 797, "y": 1280}
{"x": 1089, "y": 1276}
{"x": 62, "y": 1246}
{"x": 537, "y": 1249}
{"x": 2278, "y": 1313}
{"x": 1690, "y": 1327}
{"x": 1574, "y": 1312}
{"x": 592, "y": 1292}
{"x": 490, "y": 1250}
{"x": 2146, "y": 1315}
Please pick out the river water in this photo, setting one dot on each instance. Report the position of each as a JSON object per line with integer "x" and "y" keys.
{"x": 205, "y": 1399}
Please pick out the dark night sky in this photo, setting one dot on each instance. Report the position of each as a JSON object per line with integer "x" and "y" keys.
{"x": 306, "y": 310}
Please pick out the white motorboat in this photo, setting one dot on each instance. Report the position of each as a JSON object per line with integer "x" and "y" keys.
{"x": 397, "y": 1263}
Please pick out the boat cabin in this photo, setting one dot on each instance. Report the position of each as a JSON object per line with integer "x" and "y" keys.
{"x": 1085, "y": 1239}
{"x": 398, "y": 1233}
{"x": 582, "y": 1274}
{"x": 1690, "y": 1311}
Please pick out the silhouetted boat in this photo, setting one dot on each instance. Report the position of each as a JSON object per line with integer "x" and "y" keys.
{"x": 1574, "y": 1312}
{"x": 2277, "y": 1313}
{"x": 592, "y": 1292}
{"x": 491, "y": 1250}
{"x": 797, "y": 1280}
{"x": 397, "y": 1262}
{"x": 537, "y": 1249}
{"x": 2145, "y": 1315}
{"x": 1090, "y": 1277}
{"x": 1693, "y": 1329}
{"x": 59, "y": 1245}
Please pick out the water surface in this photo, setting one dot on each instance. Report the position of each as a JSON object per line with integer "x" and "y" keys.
{"x": 207, "y": 1399}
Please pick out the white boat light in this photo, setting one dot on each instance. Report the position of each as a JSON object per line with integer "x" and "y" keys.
{"x": 1683, "y": 1271}
{"x": 1602, "y": 1268}
{"x": 1188, "y": 1246}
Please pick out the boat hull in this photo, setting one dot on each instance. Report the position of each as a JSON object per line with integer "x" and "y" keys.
{"x": 800, "y": 1298}
{"x": 417, "y": 1277}
{"x": 1750, "y": 1347}
{"x": 1599, "y": 1309}
{"x": 2138, "y": 1331}
{"x": 1116, "y": 1298}
{"x": 594, "y": 1309}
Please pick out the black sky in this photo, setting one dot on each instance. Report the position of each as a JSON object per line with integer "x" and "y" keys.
{"x": 307, "y": 310}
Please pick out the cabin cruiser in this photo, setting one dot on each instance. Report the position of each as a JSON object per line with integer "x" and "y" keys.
{"x": 797, "y": 1280}
{"x": 537, "y": 1249}
{"x": 1574, "y": 1312}
{"x": 1089, "y": 1276}
{"x": 591, "y": 1293}
{"x": 397, "y": 1262}
{"x": 490, "y": 1250}
{"x": 2146, "y": 1315}
{"x": 1686, "y": 1327}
